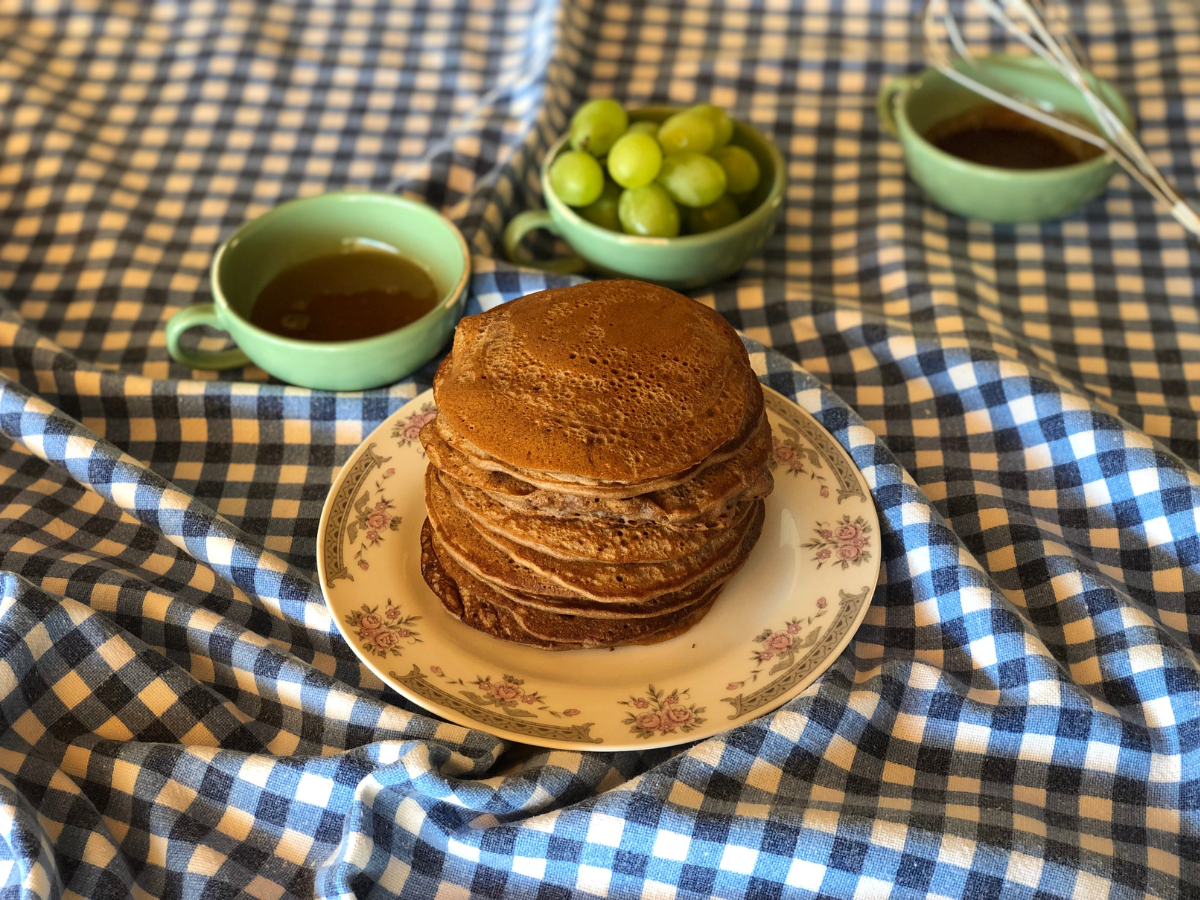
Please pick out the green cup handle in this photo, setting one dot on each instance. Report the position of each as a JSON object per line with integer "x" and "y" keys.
{"x": 532, "y": 220}
{"x": 884, "y": 102}
{"x": 204, "y": 314}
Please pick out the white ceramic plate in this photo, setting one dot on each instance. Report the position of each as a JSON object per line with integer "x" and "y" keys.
{"x": 779, "y": 623}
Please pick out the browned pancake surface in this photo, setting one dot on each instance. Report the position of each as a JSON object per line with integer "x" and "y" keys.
{"x": 614, "y": 382}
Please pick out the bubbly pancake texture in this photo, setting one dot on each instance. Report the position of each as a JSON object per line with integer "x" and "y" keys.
{"x": 612, "y": 381}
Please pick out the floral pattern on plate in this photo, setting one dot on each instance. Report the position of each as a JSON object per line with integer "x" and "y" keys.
{"x": 507, "y": 695}
{"x": 781, "y": 646}
{"x": 383, "y": 633}
{"x": 841, "y": 543}
{"x": 408, "y": 430}
{"x": 657, "y": 713}
{"x": 374, "y": 518}
{"x": 791, "y": 455}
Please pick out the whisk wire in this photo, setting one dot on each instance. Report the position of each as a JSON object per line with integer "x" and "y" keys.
{"x": 1027, "y": 22}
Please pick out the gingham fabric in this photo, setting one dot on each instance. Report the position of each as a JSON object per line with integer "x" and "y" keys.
{"x": 1019, "y": 715}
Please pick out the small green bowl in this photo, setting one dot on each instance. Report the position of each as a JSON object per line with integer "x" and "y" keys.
{"x": 910, "y": 106}
{"x": 678, "y": 262}
{"x": 312, "y": 227}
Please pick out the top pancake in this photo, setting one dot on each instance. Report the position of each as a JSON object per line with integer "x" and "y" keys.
{"x": 612, "y": 382}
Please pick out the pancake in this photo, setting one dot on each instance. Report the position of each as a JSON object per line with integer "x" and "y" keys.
{"x": 610, "y": 383}
{"x": 476, "y": 603}
{"x": 597, "y": 467}
{"x": 653, "y": 606}
{"x": 497, "y": 560}
{"x": 596, "y": 488}
{"x": 469, "y": 608}
{"x": 584, "y": 539}
{"x": 702, "y": 503}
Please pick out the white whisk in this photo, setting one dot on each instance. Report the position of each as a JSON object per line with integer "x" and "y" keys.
{"x": 1026, "y": 20}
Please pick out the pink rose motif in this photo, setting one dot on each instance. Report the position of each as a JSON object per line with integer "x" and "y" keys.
{"x": 389, "y": 473}
{"x": 678, "y": 715}
{"x": 783, "y": 452}
{"x": 824, "y": 553}
{"x": 393, "y": 612}
{"x": 505, "y": 691}
{"x": 529, "y": 698}
{"x": 847, "y": 532}
{"x": 412, "y": 431}
{"x": 650, "y": 721}
{"x": 778, "y": 642}
{"x": 386, "y": 640}
{"x": 827, "y": 535}
{"x": 793, "y": 628}
{"x": 822, "y": 603}
{"x": 824, "y": 491}
{"x": 796, "y": 465}
{"x": 732, "y": 686}
{"x": 570, "y": 712}
{"x": 362, "y": 564}
{"x": 370, "y": 622}
{"x": 765, "y": 656}
{"x": 381, "y": 506}
{"x": 641, "y": 702}
{"x": 436, "y": 670}
{"x": 849, "y": 552}
{"x": 372, "y": 538}
{"x": 379, "y": 520}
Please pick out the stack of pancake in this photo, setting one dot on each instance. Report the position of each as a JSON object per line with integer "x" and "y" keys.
{"x": 597, "y": 466}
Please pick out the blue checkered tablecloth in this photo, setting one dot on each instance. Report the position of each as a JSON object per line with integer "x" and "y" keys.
{"x": 1019, "y": 715}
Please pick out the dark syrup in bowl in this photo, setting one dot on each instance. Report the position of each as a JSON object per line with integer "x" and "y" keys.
{"x": 345, "y": 296}
{"x": 993, "y": 135}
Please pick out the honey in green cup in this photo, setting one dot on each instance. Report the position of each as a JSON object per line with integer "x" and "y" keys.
{"x": 302, "y": 232}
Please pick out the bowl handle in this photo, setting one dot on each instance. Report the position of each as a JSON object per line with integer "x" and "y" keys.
{"x": 884, "y": 102}
{"x": 193, "y": 316}
{"x": 532, "y": 220}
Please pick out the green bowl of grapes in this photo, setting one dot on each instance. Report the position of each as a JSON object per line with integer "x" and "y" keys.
{"x": 678, "y": 196}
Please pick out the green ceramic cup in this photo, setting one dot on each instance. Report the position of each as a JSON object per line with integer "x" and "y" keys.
{"x": 679, "y": 262}
{"x": 911, "y": 105}
{"x": 316, "y": 226}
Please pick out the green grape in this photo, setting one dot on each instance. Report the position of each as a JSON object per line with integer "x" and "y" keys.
{"x": 692, "y": 179}
{"x": 576, "y": 178}
{"x": 687, "y": 131}
{"x": 603, "y": 212}
{"x": 650, "y": 128}
{"x": 596, "y": 126}
{"x": 710, "y": 218}
{"x": 722, "y": 124}
{"x": 741, "y": 168}
{"x": 648, "y": 211}
{"x": 634, "y": 160}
